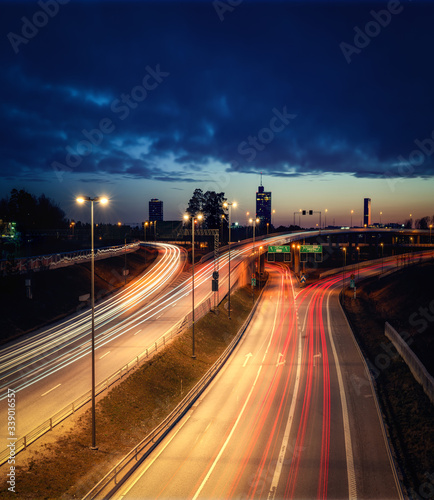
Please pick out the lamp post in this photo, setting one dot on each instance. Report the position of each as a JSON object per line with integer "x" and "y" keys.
{"x": 325, "y": 218}
{"x": 381, "y": 213}
{"x": 430, "y": 227}
{"x": 193, "y": 220}
{"x": 268, "y": 225}
{"x": 352, "y": 211}
{"x": 358, "y": 262}
{"x": 253, "y": 222}
{"x": 103, "y": 200}
{"x": 382, "y": 256}
{"x": 343, "y": 271}
{"x": 229, "y": 206}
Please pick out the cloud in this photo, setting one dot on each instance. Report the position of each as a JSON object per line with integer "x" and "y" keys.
{"x": 225, "y": 80}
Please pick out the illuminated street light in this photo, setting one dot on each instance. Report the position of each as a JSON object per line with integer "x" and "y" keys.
{"x": 229, "y": 206}
{"x": 103, "y": 200}
{"x": 358, "y": 262}
{"x": 430, "y": 227}
{"x": 253, "y": 222}
{"x": 382, "y": 256}
{"x": 343, "y": 271}
{"x": 352, "y": 211}
{"x": 193, "y": 221}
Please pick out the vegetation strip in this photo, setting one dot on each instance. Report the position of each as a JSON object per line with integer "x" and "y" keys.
{"x": 67, "y": 468}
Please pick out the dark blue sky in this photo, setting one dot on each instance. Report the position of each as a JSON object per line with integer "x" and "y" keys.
{"x": 188, "y": 95}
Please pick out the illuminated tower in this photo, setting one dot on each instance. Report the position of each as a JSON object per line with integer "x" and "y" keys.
{"x": 367, "y": 212}
{"x": 263, "y": 204}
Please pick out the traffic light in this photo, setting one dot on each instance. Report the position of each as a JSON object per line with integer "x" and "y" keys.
{"x": 310, "y": 212}
{"x": 303, "y": 212}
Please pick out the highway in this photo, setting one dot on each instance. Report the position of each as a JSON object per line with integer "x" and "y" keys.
{"x": 51, "y": 368}
{"x": 287, "y": 416}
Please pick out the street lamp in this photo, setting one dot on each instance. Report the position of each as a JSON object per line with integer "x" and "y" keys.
{"x": 430, "y": 227}
{"x": 343, "y": 271}
{"x": 229, "y": 206}
{"x": 193, "y": 220}
{"x": 325, "y": 218}
{"x": 103, "y": 200}
{"x": 253, "y": 221}
{"x": 358, "y": 262}
{"x": 352, "y": 211}
{"x": 381, "y": 213}
{"x": 382, "y": 256}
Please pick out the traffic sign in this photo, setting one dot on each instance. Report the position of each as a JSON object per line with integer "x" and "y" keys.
{"x": 352, "y": 283}
{"x": 310, "y": 248}
{"x": 279, "y": 249}
{"x": 253, "y": 281}
{"x": 303, "y": 278}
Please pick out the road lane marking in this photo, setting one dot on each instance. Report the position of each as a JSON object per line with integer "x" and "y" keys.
{"x": 280, "y": 360}
{"x": 248, "y": 356}
{"x": 138, "y": 331}
{"x": 284, "y": 446}
{"x": 142, "y": 473}
{"x": 104, "y": 355}
{"x": 352, "y": 489}
{"x": 52, "y": 389}
{"x": 210, "y": 471}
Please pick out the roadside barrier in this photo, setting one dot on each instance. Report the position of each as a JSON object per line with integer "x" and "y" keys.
{"x": 420, "y": 373}
{"x": 201, "y": 310}
{"x": 124, "y": 468}
{"x": 57, "y": 260}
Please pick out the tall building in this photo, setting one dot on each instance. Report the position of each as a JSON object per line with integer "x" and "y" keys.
{"x": 155, "y": 210}
{"x": 263, "y": 204}
{"x": 367, "y": 212}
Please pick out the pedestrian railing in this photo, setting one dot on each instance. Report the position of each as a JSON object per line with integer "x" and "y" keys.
{"x": 57, "y": 260}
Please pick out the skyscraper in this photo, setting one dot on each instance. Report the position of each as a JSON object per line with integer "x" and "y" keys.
{"x": 155, "y": 210}
{"x": 263, "y": 204}
{"x": 367, "y": 212}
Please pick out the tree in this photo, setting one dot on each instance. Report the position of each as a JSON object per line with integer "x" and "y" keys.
{"x": 408, "y": 224}
{"x": 209, "y": 204}
{"x": 32, "y": 213}
{"x": 422, "y": 223}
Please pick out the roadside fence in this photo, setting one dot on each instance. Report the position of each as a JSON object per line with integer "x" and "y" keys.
{"x": 420, "y": 373}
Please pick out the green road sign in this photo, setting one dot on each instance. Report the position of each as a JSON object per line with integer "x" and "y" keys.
{"x": 310, "y": 248}
{"x": 281, "y": 249}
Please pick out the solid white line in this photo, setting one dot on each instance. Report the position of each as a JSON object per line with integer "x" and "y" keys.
{"x": 352, "y": 489}
{"x": 227, "y": 439}
{"x": 143, "y": 472}
{"x": 52, "y": 389}
{"x": 104, "y": 355}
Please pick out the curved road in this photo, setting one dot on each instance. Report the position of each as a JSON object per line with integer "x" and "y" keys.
{"x": 291, "y": 415}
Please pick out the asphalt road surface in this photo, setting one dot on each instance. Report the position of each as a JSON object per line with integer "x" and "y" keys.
{"x": 291, "y": 415}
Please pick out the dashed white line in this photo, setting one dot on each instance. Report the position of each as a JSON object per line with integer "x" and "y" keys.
{"x": 138, "y": 331}
{"x": 52, "y": 389}
{"x": 104, "y": 355}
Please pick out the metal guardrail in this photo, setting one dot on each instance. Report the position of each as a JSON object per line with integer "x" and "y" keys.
{"x": 186, "y": 322}
{"x": 123, "y": 469}
{"x": 57, "y": 260}
{"x": 47, "y": 425}
{"x": 417, "y": 368}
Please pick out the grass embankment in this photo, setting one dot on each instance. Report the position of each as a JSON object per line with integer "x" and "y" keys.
{"x": 408, "y": 412}
{"x": 56, "y": 292}
{"x": 67, "y": 468}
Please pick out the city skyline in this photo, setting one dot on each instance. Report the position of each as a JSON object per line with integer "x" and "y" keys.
{"x": 332, "y": 105}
